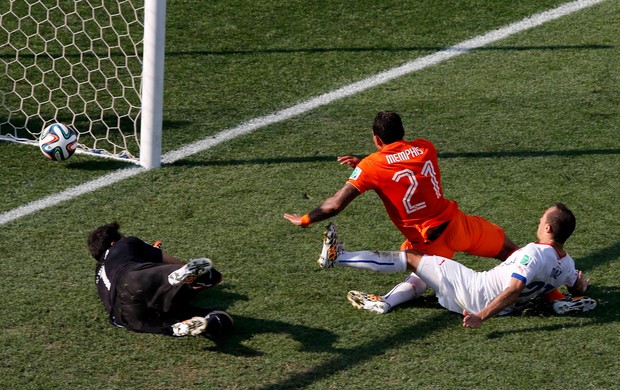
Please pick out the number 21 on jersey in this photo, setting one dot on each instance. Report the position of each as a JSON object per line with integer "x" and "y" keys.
{"x": 427, "y": 170}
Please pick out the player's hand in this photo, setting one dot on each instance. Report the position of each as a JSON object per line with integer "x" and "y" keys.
{"x": 471, "y": 320}
{"x": 351, "y": 161}
{"x": 293, "y": 218}
{"x": 582, "y": 283}
{"x": 192, "y": 327}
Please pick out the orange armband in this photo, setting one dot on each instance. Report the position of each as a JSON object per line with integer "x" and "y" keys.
{"x": 305, "y": 221}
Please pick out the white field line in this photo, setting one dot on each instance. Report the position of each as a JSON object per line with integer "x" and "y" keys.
{"x": 301, "y": 108}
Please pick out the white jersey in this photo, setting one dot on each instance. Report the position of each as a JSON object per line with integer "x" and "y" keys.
{"x": 457, "y": 287}
{"x": 539, "y": 266}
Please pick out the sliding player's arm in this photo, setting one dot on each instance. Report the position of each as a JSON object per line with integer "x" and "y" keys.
{"x": 330, "y": 207}
{"x": 506, "y": 298}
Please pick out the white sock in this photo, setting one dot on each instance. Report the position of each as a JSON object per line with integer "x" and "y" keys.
{"x": 373, "y": 261}
{"x": 411, "y": 288}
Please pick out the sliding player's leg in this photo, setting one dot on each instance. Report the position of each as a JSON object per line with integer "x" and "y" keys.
{"x": 334, "y": 255}
{"x": 409, "y": 289}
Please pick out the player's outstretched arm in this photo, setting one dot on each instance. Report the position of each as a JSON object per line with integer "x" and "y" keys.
{"x": 295, "y": 219}
{"x": 330, "y": 207}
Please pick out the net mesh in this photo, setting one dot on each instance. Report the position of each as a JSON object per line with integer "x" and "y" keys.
{"x": 76, "y": 62}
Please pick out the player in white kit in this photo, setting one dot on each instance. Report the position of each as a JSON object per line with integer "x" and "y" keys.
{"x": 538, "y": 267}
{"x": 530, "y": 271}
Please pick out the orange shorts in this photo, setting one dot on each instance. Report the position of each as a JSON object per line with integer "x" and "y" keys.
{"x": 465, "y": 233}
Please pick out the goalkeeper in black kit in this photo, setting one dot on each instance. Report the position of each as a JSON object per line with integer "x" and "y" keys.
{"x": 145, "y": 290}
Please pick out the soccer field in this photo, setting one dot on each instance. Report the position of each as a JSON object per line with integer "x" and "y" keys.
{"x": 519, "y": 122}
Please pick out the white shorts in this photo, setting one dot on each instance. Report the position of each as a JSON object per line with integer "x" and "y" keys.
{"x": 456, "y": 287}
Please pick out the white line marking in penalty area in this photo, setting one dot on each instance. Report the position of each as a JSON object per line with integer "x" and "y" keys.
{"x": 70, "y": 193}
{"x": 381, "y": 78}
{"x": 301, "y": 108}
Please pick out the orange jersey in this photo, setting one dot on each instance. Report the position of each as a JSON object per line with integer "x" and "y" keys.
{"x": 406, "y": 176}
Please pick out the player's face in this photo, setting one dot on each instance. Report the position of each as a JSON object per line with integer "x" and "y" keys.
{"x": 543, "y": 224}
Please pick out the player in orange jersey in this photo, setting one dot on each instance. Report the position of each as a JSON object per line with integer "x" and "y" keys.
{"x": 406, "y": 176}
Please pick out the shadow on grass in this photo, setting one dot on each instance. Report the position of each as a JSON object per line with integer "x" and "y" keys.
{"x": 311, "y": 339}
{"x": 323, "y": 340}
{"x": 606, "y": 312}
{"x": 346, "y": 358}
{"x": 99, "y": 164}
{"x": 388, "y": 49}
{"x": 548, "y": 328}
{"x": 392, "y": 49}
{"x": 310, "y": 159}
{"x": 596, "y": 259}
{"x": 221, "y": 298}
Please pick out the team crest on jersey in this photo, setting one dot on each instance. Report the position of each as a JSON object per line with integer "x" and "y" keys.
{"x": 355, "y": 174}
{"x": 525, "y": 259}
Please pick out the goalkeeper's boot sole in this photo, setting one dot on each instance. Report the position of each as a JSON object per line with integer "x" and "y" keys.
{"x": 331, "y": 247}
{"x": 370, "y": 302}
{"x": 190, "y": 271}
{"x": 567, "y": 305}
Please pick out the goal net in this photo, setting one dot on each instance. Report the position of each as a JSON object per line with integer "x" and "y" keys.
{"x": 90, "y": 64}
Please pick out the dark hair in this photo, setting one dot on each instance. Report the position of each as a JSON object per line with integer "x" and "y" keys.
{"x": 562, "y": 222}
{"x": 101, "y": 239}
{"x": 388, "y": 127}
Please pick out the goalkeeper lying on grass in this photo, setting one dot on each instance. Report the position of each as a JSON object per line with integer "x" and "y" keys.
{"x": 146, "y": 290}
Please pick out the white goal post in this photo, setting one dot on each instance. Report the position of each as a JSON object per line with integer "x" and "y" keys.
{"x": 95, "y": 65}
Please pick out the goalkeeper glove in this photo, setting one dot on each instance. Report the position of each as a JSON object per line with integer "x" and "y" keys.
{"x": 192, "y": 327}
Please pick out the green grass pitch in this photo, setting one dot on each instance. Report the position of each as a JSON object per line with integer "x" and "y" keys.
{"x": 520, "y": 124}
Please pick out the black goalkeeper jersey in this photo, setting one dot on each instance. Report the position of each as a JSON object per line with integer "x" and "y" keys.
{"x": 123, "y": 255}
{"x": 132, "y": 282}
